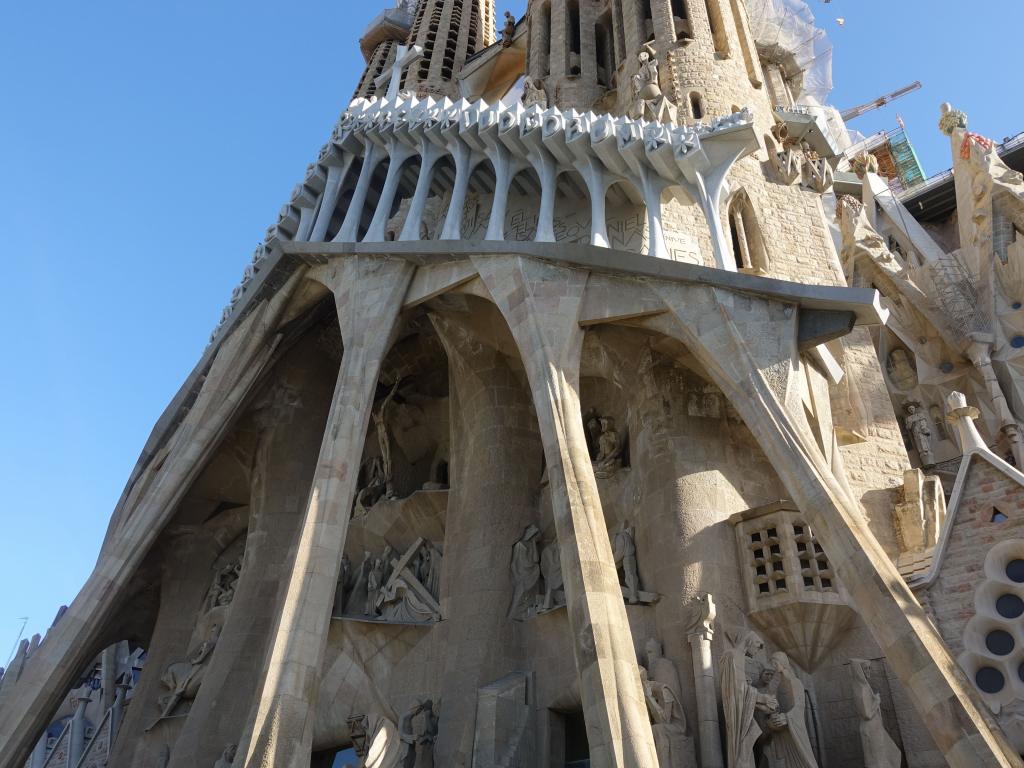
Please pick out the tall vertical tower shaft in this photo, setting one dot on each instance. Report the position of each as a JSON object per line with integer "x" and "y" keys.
{"x": 450, "y": 32}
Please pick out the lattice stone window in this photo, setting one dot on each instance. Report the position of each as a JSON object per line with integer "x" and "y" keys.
{"x": 814, "y": 567}
{"x": 792, "y": 592}
{"x": 769, "y": 564}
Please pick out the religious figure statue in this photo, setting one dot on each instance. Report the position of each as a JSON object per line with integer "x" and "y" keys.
{"x": 648, "y": 98}
{"x": 534, "y": 93}
{"x": 227, "y": 758}
{"x": 592, "y": 427}
{"x": 741, "y": 701}
{"x": 432, "y": 559}
{"x": 880, "y": 751}
{"x": 624, "y": 550}
{"x": 357, "y": 597}
{"x": 419, "y": 746}
{"x": 374, "y": 582}
{"x": 790, "y": 744}
{"x": 901, "y": 369}
{"x": 222, "y": 590}
{"x": 919, "y": 426}
{"x": 509, "y": 30}
{"x": 551, "y": 570}
{"x": 344, "y": 572}
{"x": 672, "y": 739}
{"x": 380, "y": 420}
{"x": 525, "y": 567}
{"x": 376, "y": 485}
{"x": 609, "y": 450}
{"x": 183, "y": 678}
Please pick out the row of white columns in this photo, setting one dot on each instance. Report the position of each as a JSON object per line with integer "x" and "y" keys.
{"x": 603, "y": 150}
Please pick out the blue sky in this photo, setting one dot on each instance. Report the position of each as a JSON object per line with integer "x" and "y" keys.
{"x": 144, "y": 148}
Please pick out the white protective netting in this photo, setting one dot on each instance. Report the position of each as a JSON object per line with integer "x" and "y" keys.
{"x": 784, "y": 31}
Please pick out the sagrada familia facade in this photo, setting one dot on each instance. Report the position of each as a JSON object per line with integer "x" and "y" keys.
{"x": 588, "y": 404}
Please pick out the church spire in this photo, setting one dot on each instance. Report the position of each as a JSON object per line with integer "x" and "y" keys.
{"x": 380, "y": 43}
{"x": 450, "y": 32}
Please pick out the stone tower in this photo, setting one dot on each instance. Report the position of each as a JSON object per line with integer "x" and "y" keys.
{"x": 450, "y": 32}
{"x": 380, "y": 42}
{"x": 543, "y": 429}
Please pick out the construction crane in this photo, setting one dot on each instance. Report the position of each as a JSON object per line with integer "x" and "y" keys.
{"x": 849, "y": 114}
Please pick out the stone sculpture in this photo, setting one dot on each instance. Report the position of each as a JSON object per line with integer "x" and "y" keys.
{"x": 183, "y": 678}
{"x": 901, "y": 369}
{"x": 609, "y": 450}
{"x": 227, "y": 758}
{"x": 592, "y": 427}
{"x": 919, "y": 426}
{"x": 672, "y": 738}
{"x": 344, "y": 574}
{"x": 356, "y": 604}
{"x": 534, "y": 93}
{"x": 376, "y": 486}
{"x": 880, "y": 751}
{"x": 648, "y": 100}
{"x": 508, "y": 32}
{"x": 790, "y": 743}
{"x": 405, "y": 596}
{"x": 380, "y": 420}
{"x": 374, "y": 582}
{"x": 551, "y": 570}
{"x": 624, "y": 550}
{"x": 741, "y": 701}
{"x": 525, "y": 567}
{"x": 419, "y": 745}
{"x": 222, "y": 590}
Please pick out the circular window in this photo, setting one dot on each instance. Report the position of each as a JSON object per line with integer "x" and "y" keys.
{"x": 990, "y": 680}
{"x": 999, "y": 642}
{"x": 1017, "y": 305}
{"x": 1010, "y": 607}
{"x": 947, "y": 367}
{"x": 1015, "y": 571}
{"x": 1017, "y": 342}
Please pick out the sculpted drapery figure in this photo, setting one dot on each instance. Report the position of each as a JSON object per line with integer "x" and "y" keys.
{"x": 880, "y": 751}
{"x": 525, "y": 567}
{"x": 508, "y": 32}
{"x": 624, "y": 550}
{"x": 672, "y": 739}
{"x": 551, "y": 570}
{"x": 790, "y": 745}
{"x": 534, "y": 93}
{"x": 374, "y": 582}
{"x": 609, "y": 450}
{"x": 380, "y": 420}
{"x": 419, "y": 746}
{"x": 919, "y": 426}
{"x": 649, "y": 102}
{"x": 741, "y": 701}
{"x": 356, "y": 604}
{"x": 182, "y": 679}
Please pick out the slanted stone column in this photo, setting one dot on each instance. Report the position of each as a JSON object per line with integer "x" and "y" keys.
{"x": 368, "y": 292}
{"x": 336, "y": 175}
{"x": 349, "y": 230}
{"x": 72, "y": 643}
{"x": 398, "y": 154}
{"x": 465, "y": 162}
{"x": 748, "y": 347}
{"x": 541, "y": 304}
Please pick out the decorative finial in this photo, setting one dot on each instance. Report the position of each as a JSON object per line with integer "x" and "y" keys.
{"x": 962, "y": 416}
{"x": 952, "y": 119}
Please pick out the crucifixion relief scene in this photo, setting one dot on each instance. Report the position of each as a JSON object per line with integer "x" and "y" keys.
{"x": 597, "y": 399}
